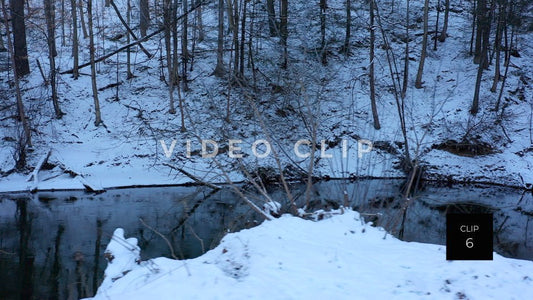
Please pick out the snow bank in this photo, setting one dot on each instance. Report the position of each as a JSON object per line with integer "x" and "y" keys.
{"x": 340, "y": 258}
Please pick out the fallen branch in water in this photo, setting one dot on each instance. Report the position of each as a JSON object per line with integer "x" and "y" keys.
{"x": 191, "y": 176}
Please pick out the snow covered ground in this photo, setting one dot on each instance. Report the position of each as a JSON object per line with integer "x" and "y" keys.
{"x": 291, "y": 258}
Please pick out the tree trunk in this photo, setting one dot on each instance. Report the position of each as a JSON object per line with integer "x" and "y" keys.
{"x": 443, "y": 34}
{"x": 506, "y": 64}
{"x": 475, "y": 102}
{"x": 272, "y": 25}
{"x": 19, "y": 38}
{"x": 219, "y": 69}
{"x": 75, "y": 54}
{"x": 229, "y": 8}
{"x": 480, "y": 12}
{"x": 418, "y": 82}
{"x": 323, "y": 53}
{"x": 175, "y": 49}
{"x": 25, "y": 140}
{"x": 184, "y": 45}
{"x": 284, "y": 31}
{"x": 49, "y": 7}
{"x": 169, "y": 22}
{"x": 82, "y": 19}
{"x": 2, "y": 47}
{"x": 175, "y": 64}
{"x": 129, "y": 74}
{"x": 251, "y": 34}
{"x": 97, "y": 115}
{"x": 484, "y": 28}
{"x": 472, "y": 34}
{"x": 63, "y": 36}
{"x": 200, "y": 20}
{"x": 243, "y": 35}
{"x": 235, "y": 27}
{"x": 435, "y": 38}
{"x": 406, "y": 53}
{"x": 371, "y": 71}
{"x": 348, "y": 27}
{"x": 497, "y": 48}
{"x": 144, "y": 17}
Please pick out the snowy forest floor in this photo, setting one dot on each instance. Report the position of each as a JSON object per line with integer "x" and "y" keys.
{"x": 127, "y": 150}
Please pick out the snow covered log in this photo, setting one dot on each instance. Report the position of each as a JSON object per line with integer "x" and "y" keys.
{"x": 34, "y": 174}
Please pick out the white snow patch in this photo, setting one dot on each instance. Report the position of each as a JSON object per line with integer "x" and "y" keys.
{"x": 338, "y": 258}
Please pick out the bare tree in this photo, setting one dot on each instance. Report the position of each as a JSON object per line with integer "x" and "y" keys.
{"x": 234, "y": 26}
{"x": 82, "y": 19}
{"x": 406, "y": 53}
{"x": 482, "y": 59}
{"x": 284, "y": 32}
{"x": 371, "y": 68}
{"x": 444, "y": 31}
{"x": 323, "y": 52}
{"x": 436, "y": 37}
{"x": 63, "y": 36}
{"x": 474, "y": 19}
{"x": 200, "y": 21}
{"x": 2, "y": 47}
{"x": 98, "y": 117}
{"x": 418, "y": 82}
{"x": 479, "y": 11}
{"x": 144, "y": 18}
{"x": 49, "y": 7}
{"x": 497, "y": 45}
{"x": 243, "y": 36}
{"x": 129, "y": 74}
{"x": 25, "y": 139}
{"x": 175, "y": 61}
{"x": 75, "y": 55}
{"x": 272, "y": 24}
{"x": 348, "y": 26}
{"x": 219, "y": 69}
{"x": 184, "y": 44}
{"x": 19, "y": 38}
{"x": 169, "y": 23}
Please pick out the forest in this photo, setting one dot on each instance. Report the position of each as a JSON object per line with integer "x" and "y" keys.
{"x": 91, "y": 87}
{"x": 251, "y": 141}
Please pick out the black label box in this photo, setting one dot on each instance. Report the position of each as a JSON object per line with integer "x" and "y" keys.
{"x": 469, "y": 236}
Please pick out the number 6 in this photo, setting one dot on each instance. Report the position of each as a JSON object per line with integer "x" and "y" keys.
{"x": 469, "y": 243}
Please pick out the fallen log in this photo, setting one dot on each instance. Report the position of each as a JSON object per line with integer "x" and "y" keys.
{"x": 116, "y": 51}
{"x": 35, "y": 172}
{"x": 194, "y": 178}
{"x": 147, "y": 37}
{"x": 129, "y": 29}
{"x": 86, "y": 184}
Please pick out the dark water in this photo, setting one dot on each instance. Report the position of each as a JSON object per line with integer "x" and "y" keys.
{"x": 51, "y": 244}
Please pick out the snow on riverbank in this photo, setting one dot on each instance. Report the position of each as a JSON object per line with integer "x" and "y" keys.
{"x": 337, "y": 258}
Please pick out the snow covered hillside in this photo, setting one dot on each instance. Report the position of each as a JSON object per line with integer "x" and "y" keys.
{"x": 126, "y": 150}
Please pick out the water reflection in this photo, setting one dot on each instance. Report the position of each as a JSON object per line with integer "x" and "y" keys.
{"x": 425, "y": 219}
{"x": 51, "y": 243}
